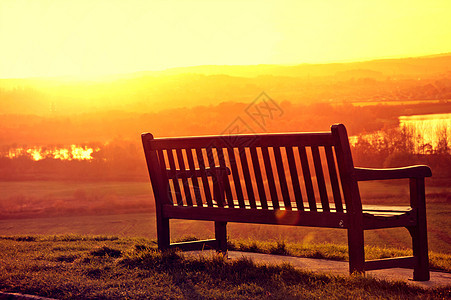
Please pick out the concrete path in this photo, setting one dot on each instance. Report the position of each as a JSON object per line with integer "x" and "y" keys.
{"x": 438, "y": 279}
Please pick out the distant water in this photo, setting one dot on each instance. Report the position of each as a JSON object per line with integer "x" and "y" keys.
{"x": 440, "y": 118}
{"x": 431, "y": 127}
{"x": 426, "y": 129}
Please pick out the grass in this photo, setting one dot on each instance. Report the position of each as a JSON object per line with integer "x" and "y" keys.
{"x": 108, "y": 267}
{"x": 21, "y": 199}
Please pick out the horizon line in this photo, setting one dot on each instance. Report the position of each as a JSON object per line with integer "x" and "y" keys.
{"x": 101, "y": 77}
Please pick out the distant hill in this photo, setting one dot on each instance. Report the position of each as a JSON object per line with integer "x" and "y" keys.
{"x": 417, "y": 78}
{"x": 412, "y": 66}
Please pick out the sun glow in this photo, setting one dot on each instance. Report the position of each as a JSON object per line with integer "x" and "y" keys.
{"x": 90, "y": 38}
{"x": 74, "y": 152}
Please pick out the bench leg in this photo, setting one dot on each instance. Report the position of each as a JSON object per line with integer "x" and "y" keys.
{"x": 356, "y": 251}
{"x": 163, "y": 233}
{"x": 221, "y": 236}
{"x": 419, "y": 232}
{"x": 420, "y": 252}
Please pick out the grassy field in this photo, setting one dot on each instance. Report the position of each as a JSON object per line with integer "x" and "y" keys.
{"x": 83, "y": 267}
{"x": 57, "y": 198}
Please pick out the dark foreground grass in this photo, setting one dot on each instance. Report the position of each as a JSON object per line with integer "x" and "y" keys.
{"x": 80, "y": 267}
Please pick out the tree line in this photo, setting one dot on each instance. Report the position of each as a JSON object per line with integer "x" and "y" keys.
{"x": 123, "y": 160}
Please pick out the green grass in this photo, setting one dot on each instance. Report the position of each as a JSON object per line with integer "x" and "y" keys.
{"x": 88, "y": 267}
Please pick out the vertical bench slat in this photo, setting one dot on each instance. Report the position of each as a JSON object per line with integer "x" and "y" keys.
{"x": 307, "y": 178}
{"x": 334, "y": 179}
{"x": 259, "y": 178}
{"x": 175, "y": 181}
{"x": 227, "y": 187}
{"x": 295, "y": 179}
{"x": 205, "y": 184}
{"x": 282, "y": 178}
{"x": 236, "y": 177}
{"x": 216, "y": 179}
{"x": 270, "y": 177}
{"x": 164, "y": 174}
{"x": 186, "y": 187}
{"x": 195, "y": 180}
{"x": 247, "y": 177}
{"x": 320, "y": 179}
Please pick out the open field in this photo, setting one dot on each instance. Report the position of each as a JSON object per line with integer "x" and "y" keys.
{"x": 83, "y": 267}
{"x": 56, "y": 198}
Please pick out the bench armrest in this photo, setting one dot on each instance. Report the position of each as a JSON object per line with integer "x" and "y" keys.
{"x": 419, "y": 171}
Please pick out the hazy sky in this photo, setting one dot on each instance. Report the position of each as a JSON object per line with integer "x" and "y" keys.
{"x": 84, "y": 38}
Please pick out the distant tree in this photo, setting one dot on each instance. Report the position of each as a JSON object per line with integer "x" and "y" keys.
{"x": 443, "y": 143}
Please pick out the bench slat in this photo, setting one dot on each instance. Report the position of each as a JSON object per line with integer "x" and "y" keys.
{"x": 334, "y": 178}
{"x": 205, "y": 183}
{"x": 370, "y": 211}
{"x": 186, "y": 187}
{"x": 194, "y": 179}
{"x": 218, "y": 196}
{"x": 270, "y": 177}
{"x": 387, "y": 263}
{"x": 195, "y": 245}
{"x": 258, "y": 178}
{"x": 175, "y": 182}
{"x": 236, "y": 176}
{"x": 307, "y": 178}
{"x": 320, "y": 178}
{"x": 294, "y": 178}
{"x": 282, "y": 178}
{"x": 228, "y": 189}
{"x": 247, "y": 177}
{"x": 256, "y": 140}
{"x": 260, "y": 216}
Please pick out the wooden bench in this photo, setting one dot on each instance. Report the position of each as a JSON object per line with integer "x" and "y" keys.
{"x": 298, "y": 179}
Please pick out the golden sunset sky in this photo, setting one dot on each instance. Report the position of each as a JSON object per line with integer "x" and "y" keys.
{"x": 89, "y": 38}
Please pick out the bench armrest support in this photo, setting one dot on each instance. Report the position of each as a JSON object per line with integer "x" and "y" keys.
{"x": 419, "y": 171}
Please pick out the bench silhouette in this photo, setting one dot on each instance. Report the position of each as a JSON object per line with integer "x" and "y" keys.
{"x": 298, "y": 179}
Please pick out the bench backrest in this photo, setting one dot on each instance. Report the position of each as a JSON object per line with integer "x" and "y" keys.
{"x": 292, "y": 171}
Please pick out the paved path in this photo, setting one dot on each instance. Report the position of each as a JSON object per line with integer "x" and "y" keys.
{"x": 438, "y": 279}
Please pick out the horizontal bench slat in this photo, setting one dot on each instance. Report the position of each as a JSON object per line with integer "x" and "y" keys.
{"x": 388, "y": 221}
{"x": 235, "y": 141}
{"x": 397, "y": 262}
{"x": 195, "y": 245}
{"x": 261, "y": 216}
{"x": 370, "y": 209}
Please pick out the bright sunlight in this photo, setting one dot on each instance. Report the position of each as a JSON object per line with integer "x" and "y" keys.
{"x": 90, "y": 38}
